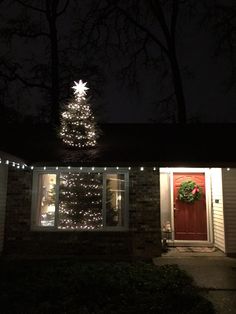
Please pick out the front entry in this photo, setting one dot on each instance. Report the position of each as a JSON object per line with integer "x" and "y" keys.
{"x": 190, "y": 221}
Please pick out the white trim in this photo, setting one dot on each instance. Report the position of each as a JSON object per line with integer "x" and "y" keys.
{"x": 223, "y": 203}
{"x": 182, "y": 169}
{"x": 208, "y": 205}
{"x": 172, "y": 205}
{"x": 206, "y": 172}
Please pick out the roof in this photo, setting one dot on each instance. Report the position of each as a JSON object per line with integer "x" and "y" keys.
{"x": 131, "y": 144}
{"x": 4, "y": 156}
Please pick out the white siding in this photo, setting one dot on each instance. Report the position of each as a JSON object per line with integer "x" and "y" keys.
{"x": 229, "y": 192}
{"x": 165, "y": 198}
{"x": 217, "y": 208}
{"x": 3, "y": 190}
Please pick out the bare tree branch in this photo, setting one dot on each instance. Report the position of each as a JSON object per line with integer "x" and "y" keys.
{"x": 157, "y": 9}
{"x": 144, "y": 29}
{"x": 26, "y": 5}
{"x": 64, "y": 8}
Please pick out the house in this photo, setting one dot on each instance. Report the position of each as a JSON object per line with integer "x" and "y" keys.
{"x": 119, "y": 199}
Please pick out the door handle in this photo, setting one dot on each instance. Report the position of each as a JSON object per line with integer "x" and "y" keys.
{"x": 176, "y": 208}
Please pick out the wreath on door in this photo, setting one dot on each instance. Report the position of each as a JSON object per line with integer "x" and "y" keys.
{"x": 189, "y": 192}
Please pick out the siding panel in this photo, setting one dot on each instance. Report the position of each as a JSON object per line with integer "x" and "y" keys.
{"x": 3, "y": 190}
{"x": 229, "y": 192}
{"x": 217, "y": 208}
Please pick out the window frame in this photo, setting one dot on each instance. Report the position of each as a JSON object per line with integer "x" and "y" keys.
{"x": 51, "y": 170}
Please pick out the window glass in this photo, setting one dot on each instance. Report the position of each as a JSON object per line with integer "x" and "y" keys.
{"x": 115, "y": 199}
{"x": 80, "y": 201}
{"x": 46, "y": 204}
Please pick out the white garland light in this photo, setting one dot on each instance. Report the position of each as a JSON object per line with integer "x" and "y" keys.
{"x": 85, "y": 169}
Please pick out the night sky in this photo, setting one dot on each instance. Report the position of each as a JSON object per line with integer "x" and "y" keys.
{"x": 209, "y": 95}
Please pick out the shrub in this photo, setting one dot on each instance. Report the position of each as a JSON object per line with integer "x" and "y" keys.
{"x": 70, "y": 286}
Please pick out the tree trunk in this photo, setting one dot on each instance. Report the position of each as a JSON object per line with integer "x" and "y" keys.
{"x": 52, "y": 17}
{"x": 54, "y": 74}
{"x": 178, "y": 86}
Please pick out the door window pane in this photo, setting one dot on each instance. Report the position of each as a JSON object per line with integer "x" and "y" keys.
{"x": 46, "y": 205}
{"x": 115, "y": 199}
{"x": 80, "y": 201}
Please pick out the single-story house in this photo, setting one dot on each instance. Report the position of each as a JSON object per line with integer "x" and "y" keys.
{"x": 121, "y": 198}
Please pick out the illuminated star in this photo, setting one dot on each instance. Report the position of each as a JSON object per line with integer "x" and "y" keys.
{"x": 80, "y": 88}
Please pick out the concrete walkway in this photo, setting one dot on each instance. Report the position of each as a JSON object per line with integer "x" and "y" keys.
{"x": 215, "y": 274}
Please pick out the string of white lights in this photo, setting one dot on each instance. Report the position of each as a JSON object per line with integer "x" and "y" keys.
{"x": 13, "y": 164}
{"x": 77, "y": 168}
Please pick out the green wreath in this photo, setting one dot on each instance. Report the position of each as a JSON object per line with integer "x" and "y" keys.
{"x": 189, "y": 192}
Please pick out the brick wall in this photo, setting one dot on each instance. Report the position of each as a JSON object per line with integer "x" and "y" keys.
{"x": 142, "y": 240}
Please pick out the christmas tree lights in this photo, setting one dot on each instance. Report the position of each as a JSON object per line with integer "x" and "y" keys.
{"x": 80, "y": 201}
{"x": 78, "y": 127}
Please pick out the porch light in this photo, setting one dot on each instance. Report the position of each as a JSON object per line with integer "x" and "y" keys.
{"x": 228, "y": 169}
{"x": 141, "y": 168}
{"x": 32, "y": 167}
{"x": 44, "y": 168}
{"x": 7, "y": 162}
{"x": 129, "y": 168}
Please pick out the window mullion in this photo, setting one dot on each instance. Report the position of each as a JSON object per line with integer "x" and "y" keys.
{"x": 126, "y": 213}
{"x": 104, "y": 196}
{"x": 57, "y": 201}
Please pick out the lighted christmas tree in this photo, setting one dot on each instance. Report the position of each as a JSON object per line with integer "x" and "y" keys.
{"x": 80, "y": 201}
{"x": 78, "y": 127}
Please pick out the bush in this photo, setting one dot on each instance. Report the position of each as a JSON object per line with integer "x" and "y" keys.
{"x": 70, "y": 286}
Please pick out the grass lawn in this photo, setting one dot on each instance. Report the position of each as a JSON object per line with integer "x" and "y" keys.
{"x": 70, "y": 286}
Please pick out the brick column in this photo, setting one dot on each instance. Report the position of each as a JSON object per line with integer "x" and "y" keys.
{"x": 144, "y": 212}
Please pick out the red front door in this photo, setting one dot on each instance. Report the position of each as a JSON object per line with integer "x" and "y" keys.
{"x": 190, "y": 219}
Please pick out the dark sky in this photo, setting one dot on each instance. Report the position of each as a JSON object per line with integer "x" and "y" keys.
{"x": 204, "y": 79}
{"x": 206, "y": 89}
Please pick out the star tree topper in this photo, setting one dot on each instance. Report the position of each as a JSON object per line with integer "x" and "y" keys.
{"x": 80, "y": 88}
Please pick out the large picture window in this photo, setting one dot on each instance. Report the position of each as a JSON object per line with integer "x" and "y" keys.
{"x": 80, "y": 200}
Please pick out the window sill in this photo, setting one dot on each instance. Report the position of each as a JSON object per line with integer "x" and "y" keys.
{"x": 52, "y": 229}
